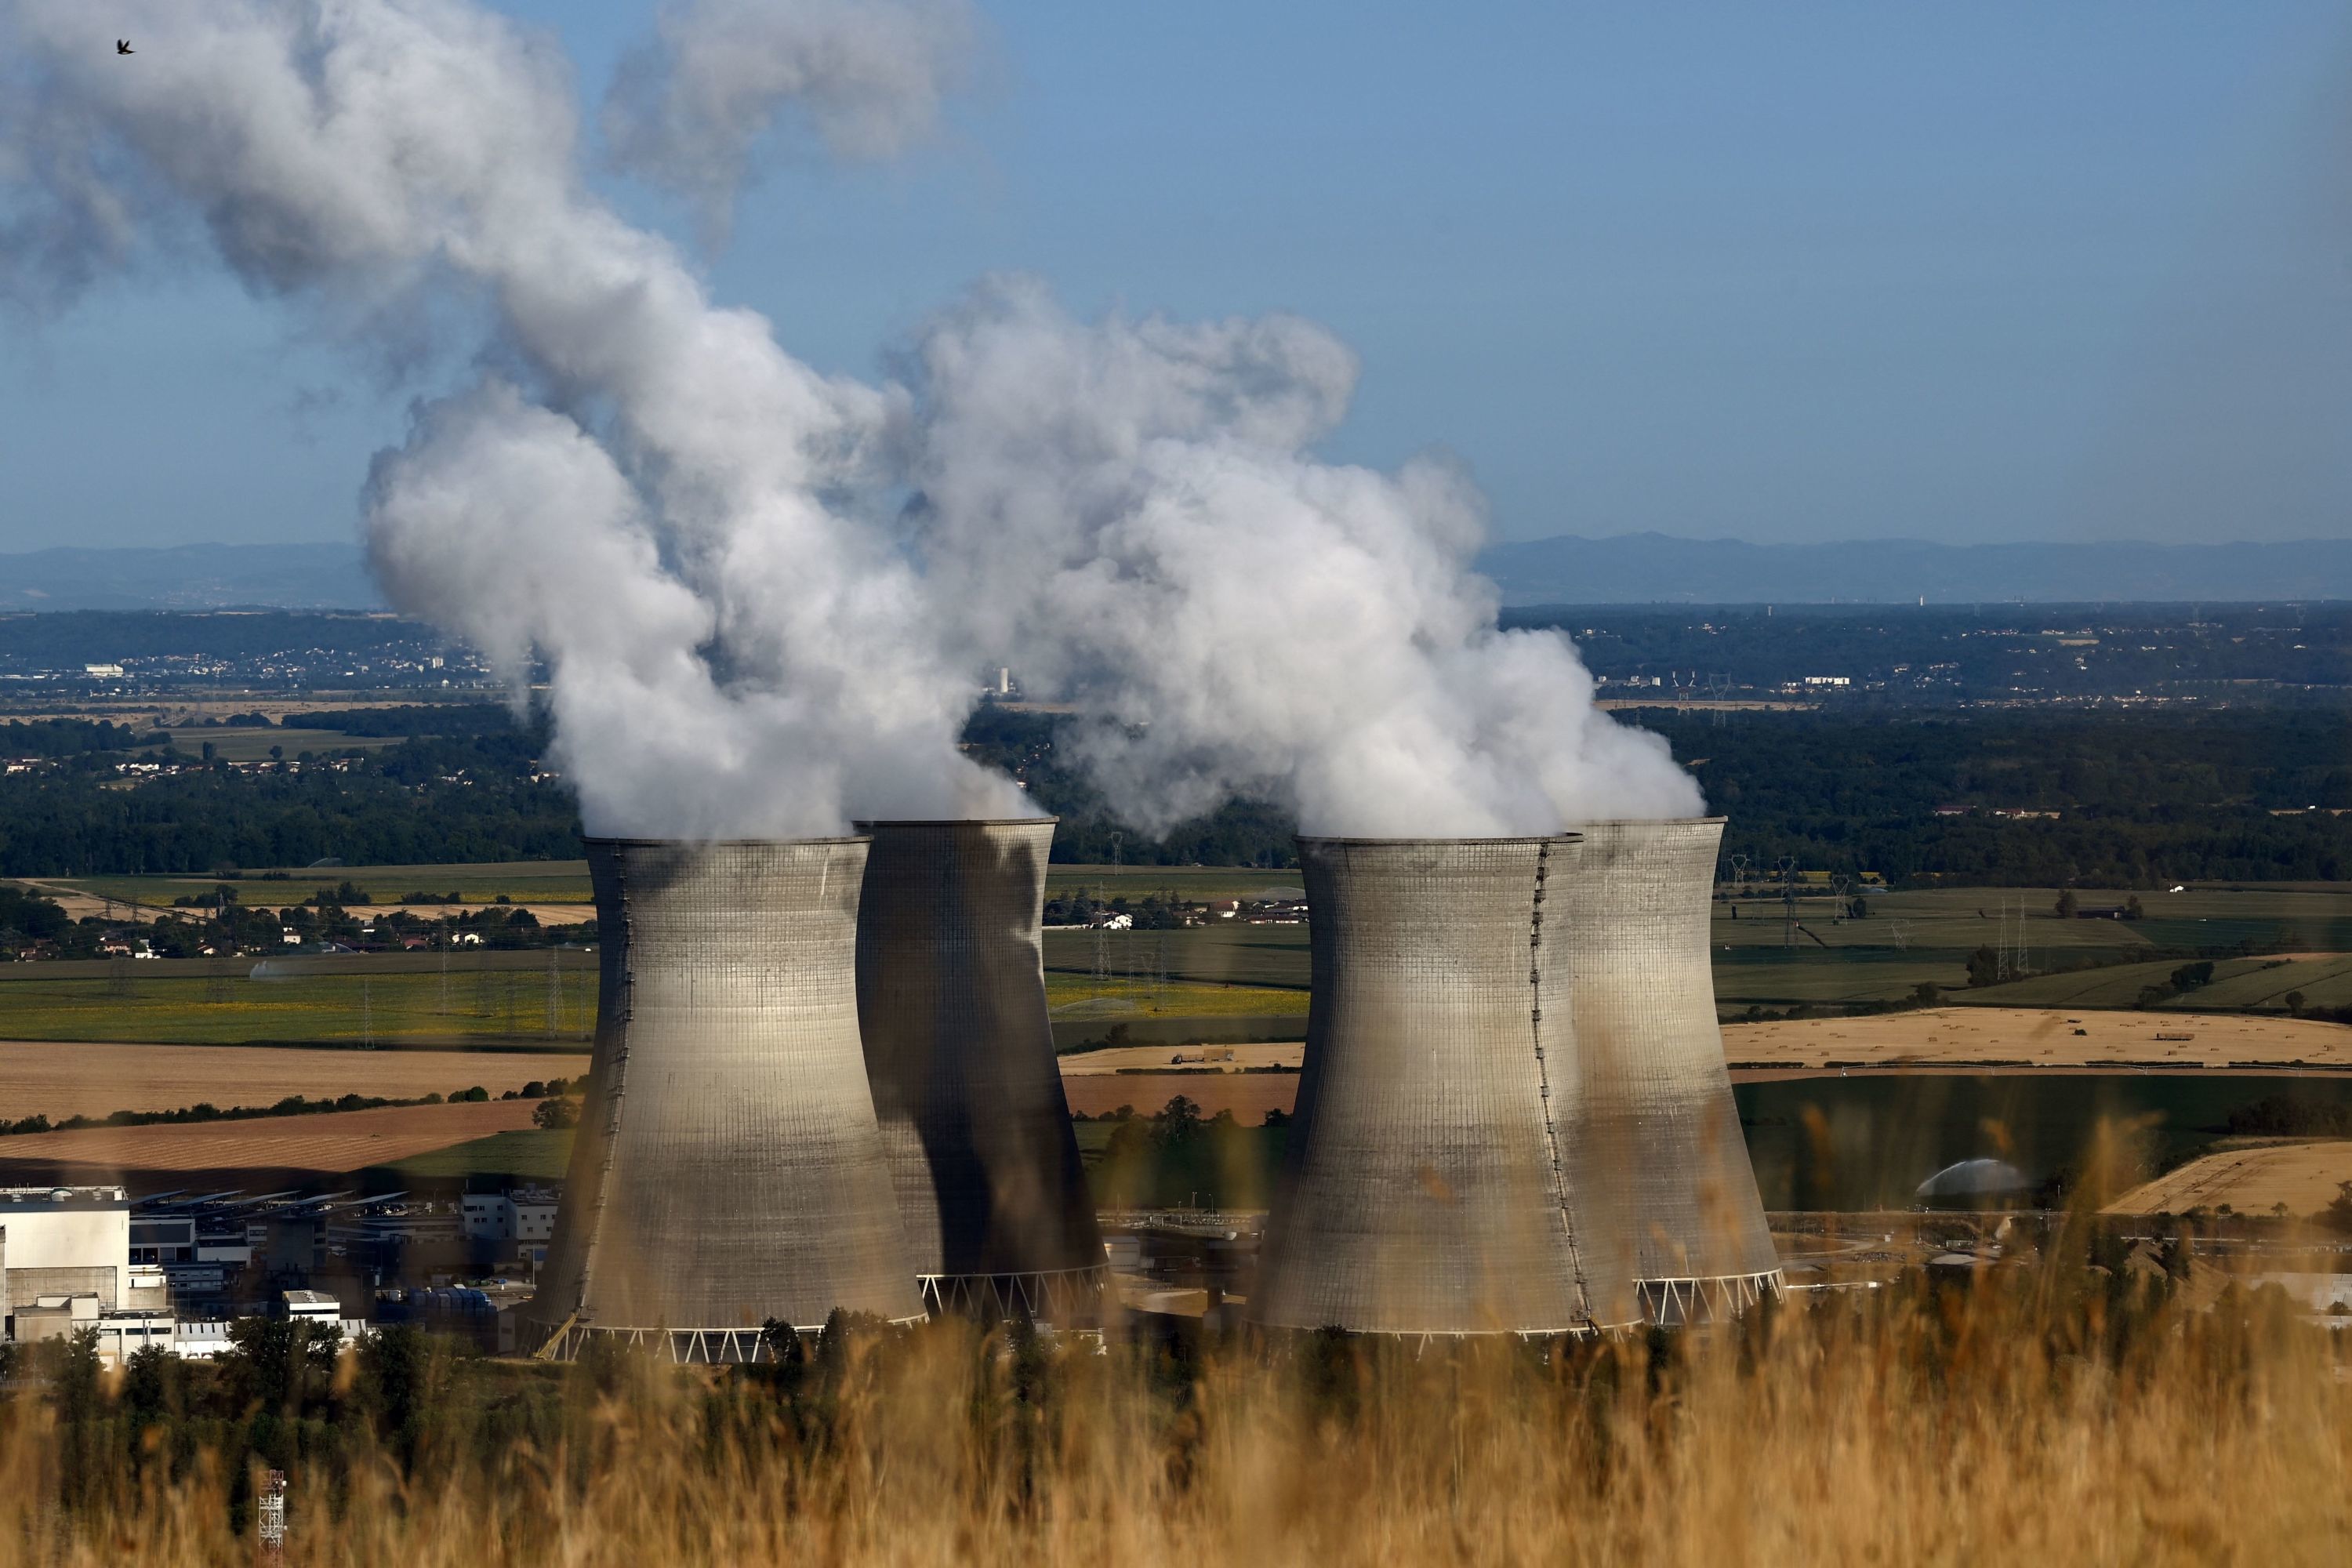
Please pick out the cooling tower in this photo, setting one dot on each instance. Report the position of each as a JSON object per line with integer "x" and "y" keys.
{"x": 1660, "y": 1164}
{"x": 951, "y": 1005}
{"x": 727, "y": 1168}
{"x": 1426, "y": 1189}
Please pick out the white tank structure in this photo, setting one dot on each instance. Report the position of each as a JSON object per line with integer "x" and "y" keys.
{"x": 729, "y": 1169}
{"x": 959, "y": 1052}
{"x": 1426, "y": 1190}
{"x": 1659, "y": 1162}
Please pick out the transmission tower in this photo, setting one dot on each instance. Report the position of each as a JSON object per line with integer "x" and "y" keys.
{"x": 1787, "y": 866}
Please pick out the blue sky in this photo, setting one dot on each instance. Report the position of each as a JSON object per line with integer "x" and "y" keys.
{"x": 1806, "y": 272}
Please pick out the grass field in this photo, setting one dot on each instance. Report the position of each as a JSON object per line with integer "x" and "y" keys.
{"x": 527, "y": 1155}
{"x": 1073, "y": 997}
{"x": 2251, "y": 1179}
{"x": 238, "y": 743}
{"x": 2040, "y": 1038}
{"x": 57, "y": 1080}
{"x": 532, "y": 1008}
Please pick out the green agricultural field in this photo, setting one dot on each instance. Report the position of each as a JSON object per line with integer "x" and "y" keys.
{"x": 1225, "y": 953}
{"x": 1072, "y": 997}
{"x": 2286, "y": 920}
{"x": 2324, "y": 983}
{"x": 2119, "y": 987}
{"x": 527, "y": 1156}
{"x": 483, "y": 1008}
{"x": 1780, "y": 977}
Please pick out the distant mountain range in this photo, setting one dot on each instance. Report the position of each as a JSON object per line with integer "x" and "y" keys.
{"x": 190, "y": 577}
{"x": 1630, "y": 568}
{"x": 1654, "y": 568}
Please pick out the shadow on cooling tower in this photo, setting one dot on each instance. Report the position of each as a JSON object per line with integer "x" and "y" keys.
{"x": 1666, "y": 1202}
{"x": 958, "y": 1048}
{"x": 729, "y": 1168}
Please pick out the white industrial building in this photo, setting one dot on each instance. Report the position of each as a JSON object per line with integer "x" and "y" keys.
{"x": 66, "y": 1267}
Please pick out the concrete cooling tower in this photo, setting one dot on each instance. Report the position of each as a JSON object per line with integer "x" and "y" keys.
{"x": 1426, "y": 1186}
{"x": 1660, "y": 1165}
{"x": 951, "y": 1005}
{"x": 729, "y": 1168}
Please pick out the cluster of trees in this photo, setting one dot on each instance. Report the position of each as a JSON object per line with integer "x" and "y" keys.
{"x": 2140, "y": 798}
{"x": 69, "y": 737}
{"x": 427, "y": 800}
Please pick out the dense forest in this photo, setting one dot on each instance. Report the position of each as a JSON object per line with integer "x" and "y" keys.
{"x": 2130, "y": 799}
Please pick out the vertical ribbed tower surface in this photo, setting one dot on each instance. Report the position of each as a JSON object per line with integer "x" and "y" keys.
{"x": 1424, "y": 1189}
{"x": 1667, "y": 1194}
{"x": 728, "y": 1167}
{"x": 959, "y": 1052}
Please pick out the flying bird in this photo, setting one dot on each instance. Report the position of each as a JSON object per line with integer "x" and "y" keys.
{"x": 122, "y": 46}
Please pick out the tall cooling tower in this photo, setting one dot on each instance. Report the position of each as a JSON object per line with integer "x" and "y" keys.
{"x": 727, "y": 1168}
{"x": 1426, "y": 1189}
{"x": 1662, "y": 1167}
{"x": 951, "y": 1005}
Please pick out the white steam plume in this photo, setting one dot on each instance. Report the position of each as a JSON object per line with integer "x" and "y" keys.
{"x": 685, "y": 523}
{"x": 1129, "y": 509}
{"x": 868, "y": 76}
{"x": 731, "y": 654}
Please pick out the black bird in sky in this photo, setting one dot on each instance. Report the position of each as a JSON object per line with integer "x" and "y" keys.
{"x": 122, "y": 46}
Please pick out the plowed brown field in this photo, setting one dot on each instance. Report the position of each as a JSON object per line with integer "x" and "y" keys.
{"x": 57, "y": 1080}
{"x": 2305, "y": 1177}
{"x": 329, "y": 1144}
{"x": 1944, "y": 1038}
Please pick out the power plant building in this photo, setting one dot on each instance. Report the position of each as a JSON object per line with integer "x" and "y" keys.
{"x": 959, "y": 1053}
{"x": 1428, "y": 1188}
{"x": 1665, "y": 1192}
{"x": 729, "y": 1169}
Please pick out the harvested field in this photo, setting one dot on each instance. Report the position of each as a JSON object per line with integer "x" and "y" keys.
{"x": 1941, "y": 1038}
{"x": 1119, "y": 1059}
{"x": 1249, "y": 1096}
{"x": 2305, "y": 1177}
{"x": 330, "y": 1144}
{"x": 57, "y": 1080}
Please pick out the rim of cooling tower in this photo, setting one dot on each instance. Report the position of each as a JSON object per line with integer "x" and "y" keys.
{"x": 1645, "y": 821}
{"x": 722, "y": 843}
{"x": 1566, "y": 837}
{"x": 866, "y": 824}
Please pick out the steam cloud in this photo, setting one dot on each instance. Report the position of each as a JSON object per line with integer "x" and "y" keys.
{"x": 868, "y": 76}
{"x": 699, "y": 534}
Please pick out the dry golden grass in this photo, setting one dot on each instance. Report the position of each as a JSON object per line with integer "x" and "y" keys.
{"x": 59, "y": 1080}
{"x": 2015, "y": 1424}
{"x": 2039, "y": 1037}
